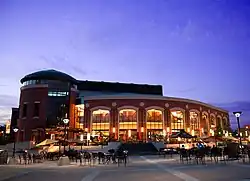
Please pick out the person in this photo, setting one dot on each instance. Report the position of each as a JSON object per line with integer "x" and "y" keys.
{"x": 214, "y": 153}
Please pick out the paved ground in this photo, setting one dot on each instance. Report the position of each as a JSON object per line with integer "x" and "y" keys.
{"x": 146, "y": 168}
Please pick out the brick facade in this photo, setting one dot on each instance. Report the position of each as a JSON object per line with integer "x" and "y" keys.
{"x": 142, "y": 106}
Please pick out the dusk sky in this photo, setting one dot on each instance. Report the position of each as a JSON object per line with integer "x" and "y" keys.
{"x": 197, "y": 49}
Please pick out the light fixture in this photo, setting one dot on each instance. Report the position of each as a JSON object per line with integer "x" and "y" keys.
{"x": 66, "y": 121}
{"x": 193, "y": 133}
{"x": 81, "y": 137}
{"x": 202, "y": 130}
{"x": 142, "y": 129}
{"x": 113, "y": 129}
{"x": 129, "y": 133}
{"x": 164, "y": 133}
{"x": 237, "y": 114}
{"x": 15, "y": 130}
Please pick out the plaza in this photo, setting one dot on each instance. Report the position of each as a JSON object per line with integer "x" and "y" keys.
{"x": 139, "y": 168}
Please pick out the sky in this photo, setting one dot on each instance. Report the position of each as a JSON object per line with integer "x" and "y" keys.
{"x": 195, "y": 49}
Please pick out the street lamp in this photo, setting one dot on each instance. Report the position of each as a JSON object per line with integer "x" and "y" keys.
{"x": 65, "y": 121}
{"x": 237, "y": 115}
{"x": 14, "y": 146}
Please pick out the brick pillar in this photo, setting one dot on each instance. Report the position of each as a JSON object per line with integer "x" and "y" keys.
{"x": 87, "y": 119}
{"x": 187, "y": 119}
{"x": 142, "y": 123}
{"x": 166, "y": 118}
{"x": 113, "y": 122}
{"x": 209, "y": 125}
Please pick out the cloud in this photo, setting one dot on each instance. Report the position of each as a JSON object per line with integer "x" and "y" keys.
{"x": 63, "y": 63}
{"x": 6, "y": 103}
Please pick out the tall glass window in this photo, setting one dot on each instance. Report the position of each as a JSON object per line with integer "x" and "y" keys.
{"x": 154, "y": 124}
{"x": 177, "y": 121}
{"x": 212, "y": 121}
{"x": 194, "y": 122}
{"x": 79, "y": 114}
{"x": 127, "y": 124}
{"x": 206, "y": 125}
{"x": 100, "y": 122}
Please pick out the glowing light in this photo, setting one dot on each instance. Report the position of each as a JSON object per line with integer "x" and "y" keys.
{"x": 164, "y": 133}
{"x": 113, "y": 130}
{"x": 237, "y": 114}
{"x": 192, "y": 133}
{"x": 88, "y": 136}
{"x": 65, "y": 121}
{"x": 81, "y": 137}
{"x": 129, "y": 133}
{"x": 142, "y": 129}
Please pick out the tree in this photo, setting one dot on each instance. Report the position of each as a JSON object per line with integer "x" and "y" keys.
{"x": 218, "y": 131}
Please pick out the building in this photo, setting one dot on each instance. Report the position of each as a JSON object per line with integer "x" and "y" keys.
{"x": 111, "y": 110}
{"x": 13, "y": 122}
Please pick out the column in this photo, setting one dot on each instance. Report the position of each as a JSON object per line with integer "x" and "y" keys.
{"x": 113, "y": 123}
{"x": 187, "y": 119}
{"x": 87, "y": 119}
{"x": 142, "y": 126}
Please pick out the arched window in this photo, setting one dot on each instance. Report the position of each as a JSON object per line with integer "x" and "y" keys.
{"x": 79, "y": 116}
{"x": 177, "y": 121}
{"x": 219, "y": 122}
{"x": 225, "y": 122}
{"x": 100, "y": 122}
{"x": 194, "y": 122}
{"x": 127, "y": 119}
{"x": 206, "y": 121}
{"x": 212, "y": 121}
{"x": 127, "y": 124}
{"x": 154, "y": 123}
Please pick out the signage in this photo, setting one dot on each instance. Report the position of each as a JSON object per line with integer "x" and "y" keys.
{"x": 8, "y": 127}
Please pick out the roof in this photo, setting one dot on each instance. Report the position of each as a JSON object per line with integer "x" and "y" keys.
{"x": 154, "y": 97}
{"x": 120, "y": 87}
{"x": 49, "y": 75}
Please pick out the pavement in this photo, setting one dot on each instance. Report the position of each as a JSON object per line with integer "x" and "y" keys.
{"x": 139, "y": 168}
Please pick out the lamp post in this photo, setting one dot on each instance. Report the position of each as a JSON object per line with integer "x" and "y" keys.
{"x": 65, "y": 121}
{"x": 237, "y": 115}
{"x": 14, "y": 146}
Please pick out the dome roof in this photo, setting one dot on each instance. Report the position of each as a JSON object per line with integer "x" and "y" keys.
{"x": 49, "y": 75}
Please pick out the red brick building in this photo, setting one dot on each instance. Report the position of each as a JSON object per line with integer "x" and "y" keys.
{"x": 117, "y": 110}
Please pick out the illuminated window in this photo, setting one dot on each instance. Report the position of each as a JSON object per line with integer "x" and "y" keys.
{"x": 79, "y": 112}
{"x": 57, "y": 93}
{"x": 154, "y": 119}
{"x": 101, "y": 121}
{"x": 194, "y": 122}
{"x": 177, "y": 120}
{"x": 206, "y": 121}
{"x": 212, "y": 121}
{"x": 219, "y": 122}
{"x": 127, "y": 119}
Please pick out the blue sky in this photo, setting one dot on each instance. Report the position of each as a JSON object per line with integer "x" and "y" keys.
{"x": 195, "y": 49}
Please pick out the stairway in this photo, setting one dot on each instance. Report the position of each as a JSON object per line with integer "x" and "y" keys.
{"x": 139, "y": 148}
